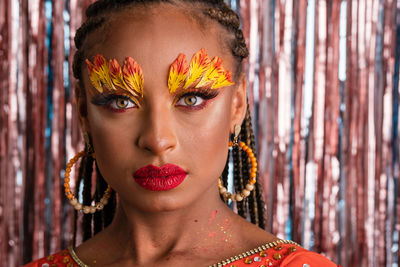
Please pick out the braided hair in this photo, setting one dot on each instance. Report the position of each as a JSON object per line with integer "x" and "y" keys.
{"x": 216, "y": 10}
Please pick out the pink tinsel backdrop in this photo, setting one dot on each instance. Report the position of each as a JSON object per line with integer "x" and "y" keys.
{"x": 323, "y": 82}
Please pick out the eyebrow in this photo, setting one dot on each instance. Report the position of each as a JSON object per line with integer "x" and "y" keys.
{"x": 201, "y": 73}
{"x": 110, "y": 76}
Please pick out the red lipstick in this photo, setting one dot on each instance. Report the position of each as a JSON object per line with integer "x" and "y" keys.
{"x": 161, "y": 178}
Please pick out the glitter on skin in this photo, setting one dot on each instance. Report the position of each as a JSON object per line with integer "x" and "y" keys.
{"x": 212, "y": 216}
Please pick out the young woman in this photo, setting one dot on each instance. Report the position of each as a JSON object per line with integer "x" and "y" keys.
{"x": 161, "y": 100}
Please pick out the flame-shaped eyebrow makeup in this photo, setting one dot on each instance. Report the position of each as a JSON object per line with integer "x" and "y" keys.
{"x": 111, "y": 76}
{"x": 201, "y": 73}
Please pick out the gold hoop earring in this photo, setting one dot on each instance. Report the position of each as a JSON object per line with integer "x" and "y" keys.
{"x": 253, "y": 171}
{"x": 72, "y": 199}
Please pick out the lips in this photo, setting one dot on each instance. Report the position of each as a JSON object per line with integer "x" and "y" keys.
{"x": 161, "y": 178}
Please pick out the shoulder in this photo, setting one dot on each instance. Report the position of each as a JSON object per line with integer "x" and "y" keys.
{"x": 282, "y": 253}
{"x": 60, "y": 259}
{"x": 307, "y": 258}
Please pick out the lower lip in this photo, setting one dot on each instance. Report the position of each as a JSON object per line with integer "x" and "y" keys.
{"x": 165, "y": 178}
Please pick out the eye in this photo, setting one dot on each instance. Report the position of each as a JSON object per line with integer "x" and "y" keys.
{"x": 196, "y": 100}
{"x": 122, "y": 103}
{"x": 115, "y": 102}
{"x": 190, "y": 100}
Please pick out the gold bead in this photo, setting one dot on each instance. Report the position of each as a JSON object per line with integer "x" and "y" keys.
{"x": 263, "y": 254}
{"x": 249, "y": 187}
{"x": 277, "y": 256}
{"x": 248, "y": 261}
{"x": 245, "y": 192}
{"x": 238, "y": 197}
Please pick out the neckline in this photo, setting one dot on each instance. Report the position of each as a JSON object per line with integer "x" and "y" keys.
{"x": 253, "y": 251}
{"x": 218, "y": 264}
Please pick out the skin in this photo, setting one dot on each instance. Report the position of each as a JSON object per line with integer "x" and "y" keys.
{"x": 188, "y": 225}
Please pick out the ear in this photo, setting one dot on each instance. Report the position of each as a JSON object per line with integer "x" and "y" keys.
{"x": 239, "y": 103}
{"x": 80, "y": 98}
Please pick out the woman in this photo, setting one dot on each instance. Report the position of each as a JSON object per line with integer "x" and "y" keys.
{"x": 161, "y": 98}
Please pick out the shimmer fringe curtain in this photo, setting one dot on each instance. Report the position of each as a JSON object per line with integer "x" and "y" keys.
{"x": 323, "y": 82}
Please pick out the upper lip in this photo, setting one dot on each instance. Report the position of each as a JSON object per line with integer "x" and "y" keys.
{"x": 151, "y": 171}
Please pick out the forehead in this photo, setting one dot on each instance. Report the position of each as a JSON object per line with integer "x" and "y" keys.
{"x": 154, "y": 36}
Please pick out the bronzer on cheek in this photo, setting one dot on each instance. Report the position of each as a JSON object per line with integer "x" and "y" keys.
{"x": 201, "y": 73}
{"x": 110, "y": 76}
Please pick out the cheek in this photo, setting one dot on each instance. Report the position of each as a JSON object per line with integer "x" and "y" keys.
{"x": 205, "y": 137}
{"x": 111, "y": 141}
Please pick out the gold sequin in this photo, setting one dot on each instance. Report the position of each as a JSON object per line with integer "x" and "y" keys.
{"x": 248, "y": 261}
{"x": 263, "y": 254}
{"x": 269, "y": 262}
{"x": 64, "y": 253}
{"x": 278, "y": 247}
{"x": 50, "y": 258}
{"x": 290, "y": 250}
{"x": 70, "y": 264}
{"x": 277, "y": 256}
{"x": 53, "y": 265}
{"x": 66, "y": 259}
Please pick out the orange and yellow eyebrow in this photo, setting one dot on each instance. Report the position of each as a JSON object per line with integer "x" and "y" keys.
{"x": 111, "y": 76}
{"x": 202, "y": 72}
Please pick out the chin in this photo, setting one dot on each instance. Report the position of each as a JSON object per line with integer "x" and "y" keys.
{"x": 165, "y": 201}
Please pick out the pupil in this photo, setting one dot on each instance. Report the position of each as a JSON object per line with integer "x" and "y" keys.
{"x": 121, "y": 103}
{"x": 191, "y": 100}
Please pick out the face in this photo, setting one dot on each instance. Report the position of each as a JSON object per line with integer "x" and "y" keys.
{"x": 155, "y": 125}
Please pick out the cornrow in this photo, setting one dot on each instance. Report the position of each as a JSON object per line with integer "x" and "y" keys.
{"x": 218, "y": 11}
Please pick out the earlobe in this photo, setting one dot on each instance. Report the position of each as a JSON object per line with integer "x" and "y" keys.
{"x": 239, "y": 103}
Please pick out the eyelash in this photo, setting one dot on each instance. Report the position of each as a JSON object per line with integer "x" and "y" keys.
{"x": 206, "y": 95}
{"x": 105, "y": 100}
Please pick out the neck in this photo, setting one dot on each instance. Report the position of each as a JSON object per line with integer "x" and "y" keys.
{"x": 151, "y": 235}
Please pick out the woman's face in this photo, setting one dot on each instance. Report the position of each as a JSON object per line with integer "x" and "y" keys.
{"x": 163, "y": 128}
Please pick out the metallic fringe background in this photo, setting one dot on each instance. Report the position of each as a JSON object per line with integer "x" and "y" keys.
{"x": 324, "y": 87}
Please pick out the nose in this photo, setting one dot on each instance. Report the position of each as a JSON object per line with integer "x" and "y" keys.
{"x": 157, "y": 134}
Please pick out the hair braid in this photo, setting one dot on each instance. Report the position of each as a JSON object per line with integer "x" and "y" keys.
{"x": 225, "y": 174}
{"x": 98, "y": 217}
{"x": 80, "y": 178}
{"x": 259, "y": 202}
{"x": 87, "y": 197}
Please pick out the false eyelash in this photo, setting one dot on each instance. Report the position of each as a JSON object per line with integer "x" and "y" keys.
{"x": 206, "y": 94}
{"x": 104, "y": 99}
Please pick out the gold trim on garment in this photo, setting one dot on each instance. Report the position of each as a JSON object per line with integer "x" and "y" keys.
{"x": 253, "y": 251}
{"x": 75, "y": 257}
{"x": 219, "y": 264}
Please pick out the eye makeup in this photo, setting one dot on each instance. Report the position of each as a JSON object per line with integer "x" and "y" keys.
{"x": 193, "y": 85}
{"x": 201, "y": 73}
{"x": 189, "y": 100}
{"x": 110, "y": 76}
{"x": 114, "y": 102}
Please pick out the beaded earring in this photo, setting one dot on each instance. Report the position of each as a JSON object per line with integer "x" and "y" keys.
{"x": 253, "y": 171}
{"x": 72, "y": 199}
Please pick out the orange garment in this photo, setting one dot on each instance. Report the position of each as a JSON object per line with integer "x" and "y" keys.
{"x": 281, "y": 254}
